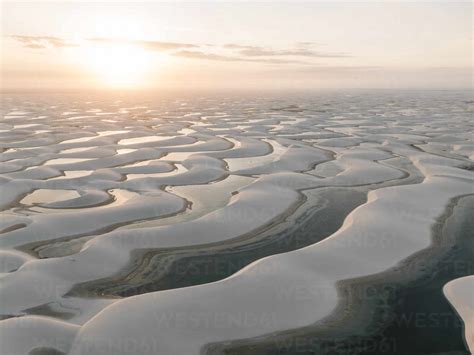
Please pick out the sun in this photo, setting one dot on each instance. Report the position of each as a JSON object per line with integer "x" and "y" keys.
{"x": 119, "y": 65}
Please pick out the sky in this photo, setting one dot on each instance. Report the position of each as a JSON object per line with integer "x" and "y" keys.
{"x": 236, "y": 45}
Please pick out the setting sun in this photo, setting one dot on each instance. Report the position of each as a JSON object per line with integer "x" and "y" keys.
{"x": 118, "y": 65}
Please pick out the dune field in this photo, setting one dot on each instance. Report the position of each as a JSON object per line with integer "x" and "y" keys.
{"x": 298, "y": 224}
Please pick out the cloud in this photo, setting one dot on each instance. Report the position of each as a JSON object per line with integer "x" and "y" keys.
{"x": 34, "y": 46}
{"x": 248, "y": 53}
{"x": 203, "y": 55}
{"x": 227, "y": 58}
{"x": 238, "y": 46}
{"x": 152, "y": 45}
{"x": 40, "y": 42}
{"x": 262, "y": 52}
{"x": 303, "y": 49}
{"x": 230, "y": 52}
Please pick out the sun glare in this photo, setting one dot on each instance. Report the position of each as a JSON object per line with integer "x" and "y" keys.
{"x": 119, "y": 65}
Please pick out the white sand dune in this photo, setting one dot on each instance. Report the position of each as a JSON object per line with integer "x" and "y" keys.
{"x": 43, "y": 333}
{"x": 374, "y": 237}
{"x": 84, "y": 188}
{"x": 460, "y": 293}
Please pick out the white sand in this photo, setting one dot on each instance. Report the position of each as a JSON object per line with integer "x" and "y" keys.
{"x": 242, "y": 165}
{"x": 460, "y": 293}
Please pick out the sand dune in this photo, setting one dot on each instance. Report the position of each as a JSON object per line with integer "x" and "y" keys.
{"x": 90, "y": 199}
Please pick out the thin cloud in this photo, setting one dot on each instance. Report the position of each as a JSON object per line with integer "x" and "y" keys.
{"x": 203, "y": 55}
{"x": 262, "y": 52}
{"x": 232, "y": 52}
{"x": 34, "y": 46}
{"x": 152, "y": 45}
{"x": 41, "y": 42}
{"x": 238, "y": 46}
{"x": 303, "y": 49}
{"x": 226, "y": 58}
